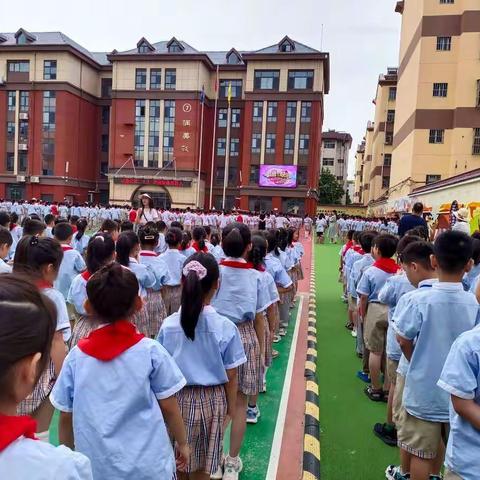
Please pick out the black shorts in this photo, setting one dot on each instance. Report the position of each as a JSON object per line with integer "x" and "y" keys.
{"x": 319, "y": 234}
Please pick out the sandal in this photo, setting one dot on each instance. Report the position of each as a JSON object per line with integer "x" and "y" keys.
{"x": 374, "y": 395}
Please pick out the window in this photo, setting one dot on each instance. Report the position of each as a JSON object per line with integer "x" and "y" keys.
{"x": 153, "y": 133}
{"x": 221, "y": 146}
{"x": 289, "y": 144}
{"x": 385, "y": 181}
{"x": 436, "y": 136}
{"x": 155, "y": 78}
{"x": 10, "y": 131}
{"x": 49, "y": 108}
{"x": 234, "y": 147}
{"x": 23, "y": 131}
{"x": 444, "y": 43}
{"x": 304, "y": 144}
{"x": 476, "y": 141}
{"x": 291, "y": 112}
{"x": 170, "y": 79}
{"x": 233, "y": 58}
{"x": 432, "y": 178}
{"x": 389, "y": 139}
{"x": 168, "y": 132}
{"x": 254, "y": 173}
{"x": 235, "y": 118}
{"x": 286, "y": 46}
{"x": 272, "y": 111}
{"x": 300, "y": 79}
{"x": 144, "y": 48}
{"x": 390, "y": 116}
{"x": 9, "y": 162}
{"x": 339, "y": 178}
{"x": 49, "y": 69}
{"x": 270, "y": 143}
{"x": 222, "y": 118}
{"x": 387, "y": 160}
{"x": 302, "y": 175}
{"x": 140, "y": 78}
{"x": 19, "y": 66}
{"x": 256, "y": 142}
{"x": 392, "y": 93}
{"x": 340, "y": 160}
{"x": 267, "y": 79}
{"x": 12, "y": 101}
{"x": 440, "y": 89}
{"x": 236, "y": 88}
{"x": 106, "y": 87}
{"x": 104, "y": 143}
{"x": 22, "y": 161}
{"x": 175, "y": 48}
{"x": 329, "y": 144}
{"x": 219, "y": 175}
{"x": 139, "y": 136}
{"x": 306, "y": 112}
{"x": 24, "y": 100}
{"x": 257, "y": 111}
{"x": 328, "y": 162}
{"x": 105, "y": 115}
{"x": 447, "y": 1}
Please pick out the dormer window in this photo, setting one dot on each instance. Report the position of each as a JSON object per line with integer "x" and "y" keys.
{"x": 144, "y": 46}
{"x": 22, "y": 37}
{"x": 286, "y": 45}
{"x": 143, "y": 49}
{"x": 233, "y": 57}
{"x": 174, "y": 46}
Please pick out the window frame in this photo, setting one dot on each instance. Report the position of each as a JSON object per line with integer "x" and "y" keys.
{"x": 140, "y": 73}
{"x": 440, "y": 89}
{"x": 51, "y": 73}
{"x": 154, "y": 74}
{"x": 444, "y": 43}
{"x": 270, "y": 139}
{"x": 437, "y": 135}
{"x": 170, "y": 72}
{"x": 293, "y": 74}
{"x": 275, "y": 77}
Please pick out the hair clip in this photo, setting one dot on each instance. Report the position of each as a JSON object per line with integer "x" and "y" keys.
{"x": 196, "y": 267}
{"x": 100, "y": 237}
{"x": 34, "y": 241}
{"x": 149, "y": 237}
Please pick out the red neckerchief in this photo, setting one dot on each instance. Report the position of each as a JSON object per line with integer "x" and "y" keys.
{"x": 197, "y": 248}
{"x": 43, "y": 284}
{"x": 110, "y": 341}
{"x": 75, "y": 229}
{"x": 358, "y": 249}
{"x": 234, "y": 264}
{"x": 86, "y": 275}
{"x": 13, "y": 427}
{"x": 12, "y": 226}
{"x": 348, "y": 246}
{"x": 260, "y": 268}
{"x": 388, "y": 265}
{"x": 146, "y": 253}
{"x": 66, "y": 248}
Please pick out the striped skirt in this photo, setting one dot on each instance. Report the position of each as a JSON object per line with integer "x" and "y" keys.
{"x": 250, "y": 373}
{"x": 204, "y": 410}
{"x": 268, "y": 345}
{"x": 141, "y": 320}
{"x": 156, "y": 313}
{"x": 83, "y": 326}
{"x": 40, "y": 392}
{"x": 300, "y": 275}
{"x": 172, "y": 297}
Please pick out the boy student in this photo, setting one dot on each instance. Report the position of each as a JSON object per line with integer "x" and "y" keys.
{"x": 343, "y": 251}
{"x": 50, "y": 222}
{"x": 374, "y": 313}
{"x": 351, "y": 256}
{"x": 433, "y": 319}
{"x": 6, "y": 241}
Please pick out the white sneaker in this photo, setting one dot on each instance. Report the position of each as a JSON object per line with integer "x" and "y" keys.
{"x": 354, "y": 333}
{"x": 218, "y": 475}
{"x": 233, "y": 466}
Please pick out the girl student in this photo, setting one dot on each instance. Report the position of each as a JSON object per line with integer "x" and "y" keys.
{"x": 294, "y": 252}
{"x": 207, "y": 348}
{"x": 25, "y": 347}
{"x": 257, "y": 258}
{"x": 199, "y": 243}
{"x": 241, "y": 298}
{"x": 80, "y": 239}
{"x": 119, "y": 389}
{"x": 100, "y": 252}
{"x": 148, "y": 235}
{"x": 40, "y": 259}
{"x": 128, "y": 250}
{"x": 111, "y": 227}
{"x": 172, "y": 291}
{"x": 217, "y": 250}
{"x": 186, "y": 248}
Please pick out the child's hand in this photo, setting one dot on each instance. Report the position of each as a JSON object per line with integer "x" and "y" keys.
{"x": 183, "y": 456}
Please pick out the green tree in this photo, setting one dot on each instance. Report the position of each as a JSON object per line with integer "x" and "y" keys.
{"x": 330, "y": 191}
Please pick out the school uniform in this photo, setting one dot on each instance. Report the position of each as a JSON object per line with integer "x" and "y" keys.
{"x": 22, "y": 457}
{"x": 203, "y": 362}
{"x": 461, "y": 377}
{"x": 470, "y": 277}
{"x": 218, "y": 253}
{"x": 72, "y": 264}
{"x": 172, "y": 291}
{"x": 427, "y": 318}
{"x": 80, "y": 245}
{"x": 5, "y": 267}
{"x": 161, "y": 245}
{"x": 48, "y": 232}
{"x": 112, "y": 382}
{"x": 188, "y": 252}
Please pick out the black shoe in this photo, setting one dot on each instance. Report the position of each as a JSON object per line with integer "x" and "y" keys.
{"x": 387, "y": 435}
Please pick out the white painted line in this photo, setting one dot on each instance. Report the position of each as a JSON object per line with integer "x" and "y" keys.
{"x": 282, "y": 411}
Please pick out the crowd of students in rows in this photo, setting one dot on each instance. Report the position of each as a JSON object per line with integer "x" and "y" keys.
{"x": 149, "y": 343}
{"x": 413, "y": 310}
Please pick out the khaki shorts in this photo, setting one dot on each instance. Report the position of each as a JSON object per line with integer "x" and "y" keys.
{"x": 397, "y": 399}
{"x": 449, "y": 475}
{"x": 352, "y": 303}
{"x": 420, "y": 437}
{"x": 375, "y": 327}
{"x": 392, "y": 366}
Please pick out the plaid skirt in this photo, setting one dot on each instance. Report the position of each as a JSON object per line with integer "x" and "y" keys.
{"x": 287, "y": 297}
{"x": 83, "y": 326}
{"x": 204, "y": 410}
{"x": 300, "y": 275}
{"x": 142, "y": 321}
{"x": 268, "y": 345}
{"x": 172, "y": 297}
{"x": 156, "y": 313}
{"x": 250, "y": 377}
{"x": 40, "y": 392}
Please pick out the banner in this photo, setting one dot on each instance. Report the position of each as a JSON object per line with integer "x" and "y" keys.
{"x": 284, "y": 176}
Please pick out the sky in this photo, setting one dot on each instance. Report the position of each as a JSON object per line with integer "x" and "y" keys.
{"x": 361, "y": 36}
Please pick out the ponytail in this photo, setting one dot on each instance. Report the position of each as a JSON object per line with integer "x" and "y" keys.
{"x": 81, "y": 227}
{"x": 235, "y": 239}
{"x": 258, "y": 251}
{"x": 125, "y": 244}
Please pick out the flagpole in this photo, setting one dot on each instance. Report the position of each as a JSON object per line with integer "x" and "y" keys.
{"x": 217, "y": 86}
{"x": 201, "y": 151}
{"x": 227, "y": 157}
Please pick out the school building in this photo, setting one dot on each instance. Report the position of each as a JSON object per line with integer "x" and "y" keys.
{"x": 103, "y": 126}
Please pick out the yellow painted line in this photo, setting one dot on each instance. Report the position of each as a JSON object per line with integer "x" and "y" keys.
{"x": 312, "y": 386}
{"x": 310, "y": 366}
{"x": 312, "y": 409}
{"x": 312, "y": 351}
{"x": 312, "y": 445}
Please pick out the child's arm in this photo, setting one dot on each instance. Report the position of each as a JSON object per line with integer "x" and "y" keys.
{"x": 363, "y": 305}
{"x": 406, "y": 346}
{"x": 260, "y": 331}
{"x": 283, "y": 289}
{"x": 231, "y": 388}
{"x": 467, "y": 409}
{"x": 271, "y": 317}
{"x": 57, "y": 351}
{"x": 477, "y": 292}
{"x": 65, "y": 430}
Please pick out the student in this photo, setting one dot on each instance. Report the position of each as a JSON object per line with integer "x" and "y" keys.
{"x": 123, "y": 434}
{"x": 39, "y": 258}
{"x": 100, "y": 252}
{"x": 126, "y": 225}
{"x": 375, "y": 314}
{"x": 80, "y": 239}
{"x": 111, "y": 227}
{"x": 470, "y": 277}
{"x": 72, "y": 263}
{"x": 352, "y": 255}
{"x": 427, "y": 321}
{"x": 6, "y": 242}
{"x": 217, "y": 250}
{"x": 161, "y": 247}
{"x": 186, "y": 248}
{"x": 128, "y": 250}
{"x": 240, "y": 298}
{"x": 148, "y": 236}
{"x": 15, "y": 228}
{"x": 199, "y": 236}
{"x": 460, "y": 378}
{"x": 32, "y": 226}
{"x": 73, "y": 221}
{"x": 207, "y": 348}
{"x": 25, "y": 345}
{"x": 50, "y": 223}
{"x": 172, "y": 291}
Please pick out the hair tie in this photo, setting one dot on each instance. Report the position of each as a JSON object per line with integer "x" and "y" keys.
{"x": 100, "y": 237}
{"x": 196, "y": 267}
{"x": 149, "y": 237}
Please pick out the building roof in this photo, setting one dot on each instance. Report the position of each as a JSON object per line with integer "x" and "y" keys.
{"x": 334, "y": 135}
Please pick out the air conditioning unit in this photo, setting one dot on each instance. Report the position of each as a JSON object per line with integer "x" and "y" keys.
{"x": 34, "y": 179}
{"x": 23, "y": 146}
{"x": 23, "y": 116}
{"x": 20, "y": 178}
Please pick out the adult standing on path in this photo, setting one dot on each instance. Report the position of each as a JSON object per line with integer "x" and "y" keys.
{"x": 146, "y": 212}
{"x": 462, "y": 224}
{"x": 412, "y": 220}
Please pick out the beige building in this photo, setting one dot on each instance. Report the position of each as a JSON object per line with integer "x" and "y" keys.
{"x": 359, "y": 166}
{"x": 437, "y": 124}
